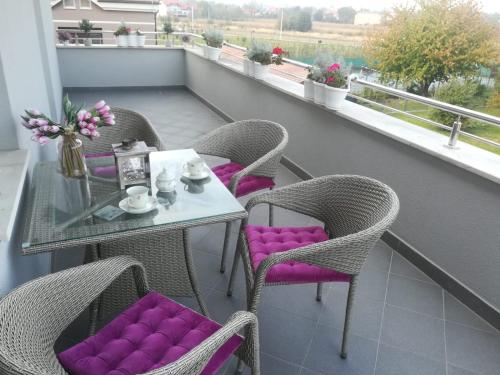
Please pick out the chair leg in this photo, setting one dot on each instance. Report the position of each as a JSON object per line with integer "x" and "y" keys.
{"x": 234, "y": 271}
{"x": 271, "y": 214}
{"x": 227, "y": 235}
{"x": 348, "y": 312}
{"x": 319, "y": 291}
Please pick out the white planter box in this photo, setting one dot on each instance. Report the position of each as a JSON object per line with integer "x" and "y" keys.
{"x": 122, "y": 40}
{"x": 213, "y": 53}
{"x": 249, "y": 67}
{"x": 205, "y": 51}
{"x": 335, "y": 97}
{"x": 87, "y": 42}
{"x": 309, "y": 89}
{"x": 132, "y": 40}
{"x": 141, "y": 40}
{"x": 319, "y": 93}
{"x": 260, "y": 71}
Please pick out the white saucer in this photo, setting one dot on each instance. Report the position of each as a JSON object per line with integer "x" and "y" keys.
{"x": 152, "y": 204}
{"x": 200, "y": 176}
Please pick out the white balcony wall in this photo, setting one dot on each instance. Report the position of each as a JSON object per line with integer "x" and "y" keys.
{"x": 448, "y": 214}
{"x": 29, "y": 78}
{"x": 111, "y": 66}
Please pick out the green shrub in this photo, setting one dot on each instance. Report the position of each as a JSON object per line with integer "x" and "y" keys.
{"x": 460, "y": 93}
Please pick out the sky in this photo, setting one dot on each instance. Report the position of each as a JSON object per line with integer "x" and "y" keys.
{"x": 489, "y": 6}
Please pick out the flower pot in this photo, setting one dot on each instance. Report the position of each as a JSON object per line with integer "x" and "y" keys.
{"x": 141, "y": 40}
{"x": 87, "y": 42}
{"x": 71, "y": 156}
{"x": 66, "y": 43}
{"x": 309, "y": 89}
{"x": 122, "y": 40}
{"x": 260, "y": 71}
{"x": 132, "y": 40}
{"x": 319, "y": 93}
{"x": 247, "y": 66}
{"x": 213, "y": 53}
{"x": 335, "y": 97}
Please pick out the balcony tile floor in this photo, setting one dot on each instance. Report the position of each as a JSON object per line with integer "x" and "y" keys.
{"x": 403, "y": 322}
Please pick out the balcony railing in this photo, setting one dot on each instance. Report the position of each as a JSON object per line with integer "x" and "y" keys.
{"x": 236, "y": 53}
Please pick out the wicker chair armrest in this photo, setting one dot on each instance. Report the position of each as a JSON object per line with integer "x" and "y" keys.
{"x": 196, "y": 359}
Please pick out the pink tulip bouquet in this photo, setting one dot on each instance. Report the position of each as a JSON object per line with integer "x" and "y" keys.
{"x": 77, "y": 120}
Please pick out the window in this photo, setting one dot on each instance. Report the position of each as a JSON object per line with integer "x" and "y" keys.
{"x": 69, "y": 4}
{"x": 85, "y": 4}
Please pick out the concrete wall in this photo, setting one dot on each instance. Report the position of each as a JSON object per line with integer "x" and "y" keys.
{"x": 29, "y": 79}
{"x": 447, "y": 213}
{"x": 120, "y": 67}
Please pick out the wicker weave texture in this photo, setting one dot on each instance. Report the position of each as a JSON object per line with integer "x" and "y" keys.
{"x": 129, "y": 124}
{"x": 34, "y": 315}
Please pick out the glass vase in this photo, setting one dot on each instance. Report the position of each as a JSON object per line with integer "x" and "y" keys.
{"x": 71, "y": 157}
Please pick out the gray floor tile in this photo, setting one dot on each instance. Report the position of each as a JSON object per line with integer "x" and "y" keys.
{"x": 457, "y": 312}
{"x": 372, "y": 283}
{"x": 324, "y": 353}
{"x": 269, "y": 365}
{"x": 221, "y": 307}
{"x": 413, "y": 332}
{"x": 415, "y": 295}
{"x": 400, "y": 266}
{"x": 393, "y": 361}
{"x": 472, "y": 349}
{"x": 366, "y": 314}
{"x": 453, "y": 370}
{"x": 283, "y": 334}
{"x": 306, "y": 371}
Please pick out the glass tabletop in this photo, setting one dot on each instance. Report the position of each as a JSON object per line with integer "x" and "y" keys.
{"x": 79, "y": 210}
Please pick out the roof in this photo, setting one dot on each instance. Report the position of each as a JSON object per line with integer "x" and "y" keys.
{"x": 123, "y": 5}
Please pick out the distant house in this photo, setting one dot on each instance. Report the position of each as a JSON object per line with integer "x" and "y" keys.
{"x": 175, "y": 8}
{"x": 368, "y": 18}
{"x": 106, "y": 16}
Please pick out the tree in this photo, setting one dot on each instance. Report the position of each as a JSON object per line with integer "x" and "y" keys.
{"x": 433, "y": 42}
{"x": 319, "y": 15}
{"x": 346, "y": 15}
{"x": 297, "y": 19}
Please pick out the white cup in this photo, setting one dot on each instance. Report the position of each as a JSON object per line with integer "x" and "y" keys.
{"x": 195, "y": 166}
{"x": 137, "y": 196}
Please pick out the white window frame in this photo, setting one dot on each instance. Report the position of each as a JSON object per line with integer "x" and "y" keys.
{"x": 89, "y": 7}
{"x": 65, "y": 6}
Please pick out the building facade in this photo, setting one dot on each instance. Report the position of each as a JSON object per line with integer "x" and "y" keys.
{"x": 106, "y": 16}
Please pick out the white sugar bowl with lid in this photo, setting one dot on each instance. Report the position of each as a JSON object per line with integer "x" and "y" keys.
{"x": 165, "y": 181}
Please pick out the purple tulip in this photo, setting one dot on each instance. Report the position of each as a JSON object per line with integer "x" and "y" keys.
{"x": 109, "y": 121}
{"x": 82, "y": 124}
{"x": 91, "y": 127}
{"x": 100, "y": 104}
{"x": 87, "y": 115}
{"x": 45, "y": 128}
{"x": 95, "y": 134}
{"x": 33, "y": 122}
{"x": 80, "y": 116}
{"x": 104, "y": 110}
{"x": 54, "y": 129}
{"x": 25, "y": 124}
{"x": 85, "y": 131}
{"x": 43, "y": 140}
{"x": 34, "y": 112}
{"x": 95, "y": 119}
{"x": 42, "y": 122}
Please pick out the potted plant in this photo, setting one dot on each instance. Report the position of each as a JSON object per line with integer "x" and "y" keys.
{"x": 168, "y": 29}
{"x": 214, "y": 40}
{"x": 77, "y": 122}
{"x": 186, "y": 39}
{"x": 141, "y": 38}
{"x": 122, "y": 35}
{"x": 336, "y": 82}
{"x": 64, "y": 37}
{"x": 318, "y": 71}
{"x": 261, "y": 53}
{"x": 86, "y": 26}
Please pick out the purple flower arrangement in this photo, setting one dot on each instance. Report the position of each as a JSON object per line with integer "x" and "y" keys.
{"x": 77, "y": 120}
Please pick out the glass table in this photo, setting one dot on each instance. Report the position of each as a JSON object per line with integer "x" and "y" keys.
{"x": 64, "y": 213}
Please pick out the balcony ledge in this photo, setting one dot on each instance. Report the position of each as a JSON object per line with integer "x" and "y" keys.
{"x": 465, "y": 156}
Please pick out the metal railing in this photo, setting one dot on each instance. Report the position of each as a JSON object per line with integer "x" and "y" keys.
{"x": 460, "y": 112}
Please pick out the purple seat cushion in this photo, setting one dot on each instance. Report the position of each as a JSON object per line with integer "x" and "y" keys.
{"x": 106, "y": 171}
{"x": 150, "y": 334}
{"x": 247, "y": 184}
{"x": 264, "y": 241}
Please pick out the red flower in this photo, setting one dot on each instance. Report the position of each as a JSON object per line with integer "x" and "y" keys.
{"x": 333, "y": 67}
{"x": 330, "y": 79}
{"x": 277, "y": 51}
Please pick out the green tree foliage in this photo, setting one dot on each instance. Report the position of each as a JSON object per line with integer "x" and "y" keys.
{"x": 458, "y": 93}
{"x": 297, "y": 19}
{"x": 432, "y": 42}
{"x": 346, "y": 14}
{"x": 319, "y": 15}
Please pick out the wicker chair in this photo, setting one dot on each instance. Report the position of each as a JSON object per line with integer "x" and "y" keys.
{"x": 355, "y": 210}
{"x": 33, "y": 316}
{"x": 254, "y": 148}
{"x": 129, "y": 124}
